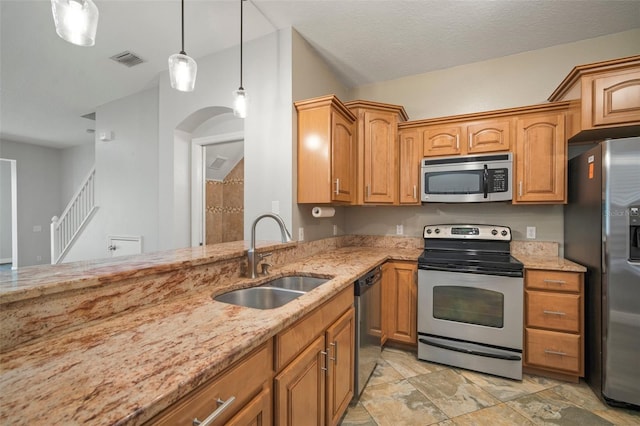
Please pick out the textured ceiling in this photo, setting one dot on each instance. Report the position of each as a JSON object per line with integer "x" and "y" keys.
{"x": 364, "y": 41}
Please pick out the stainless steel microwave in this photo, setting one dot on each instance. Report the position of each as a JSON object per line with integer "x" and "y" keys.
{"x": 467, "y": 178}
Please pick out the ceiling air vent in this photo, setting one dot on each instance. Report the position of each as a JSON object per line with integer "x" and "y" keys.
{"x": 127, "y": 58}
{"x": 218, "y": 162}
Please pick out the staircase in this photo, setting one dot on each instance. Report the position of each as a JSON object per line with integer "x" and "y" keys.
{"x": 65, "y": 230}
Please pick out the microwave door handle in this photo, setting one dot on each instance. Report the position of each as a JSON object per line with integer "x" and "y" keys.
{"x": 485, "y": 181}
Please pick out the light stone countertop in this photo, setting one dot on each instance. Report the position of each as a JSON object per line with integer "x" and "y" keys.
{"x": 127, "y": 368}
{"x": 553, "y": 263}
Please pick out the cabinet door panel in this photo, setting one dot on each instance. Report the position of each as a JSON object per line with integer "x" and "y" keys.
{"x": 341, "y": 352}
{"x": 489, "y": 136}
{"x": 541, "y": 159}
{"x": 441, "y": 141}
{"x": 342, "y": 155}
{"x": 255, "y": 413}
{"x": 379, "y": 157}
{"x": 616, "y": 99}
{"x": 410, "y": 156}
{"x": 400, "y": 291}
{"x": 300, "y": 388}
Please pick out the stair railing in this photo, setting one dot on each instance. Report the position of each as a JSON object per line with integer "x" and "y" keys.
{"x": 66, "y": 228}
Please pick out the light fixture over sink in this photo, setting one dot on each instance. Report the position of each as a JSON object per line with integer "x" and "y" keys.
{"x": 182, "y": 68}
{"x": 76, "y": 21}
{"x": 240, "y": 95}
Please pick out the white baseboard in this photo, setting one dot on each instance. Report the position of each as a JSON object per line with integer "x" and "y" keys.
{"x": 5, "y": 260}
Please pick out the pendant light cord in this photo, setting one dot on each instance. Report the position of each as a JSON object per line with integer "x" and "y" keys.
{"x": 182, "y": 51}
{"x": 241, "y": 20}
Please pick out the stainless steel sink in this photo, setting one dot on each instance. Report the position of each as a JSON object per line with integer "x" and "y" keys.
{"x": 259, "y": 297}
{"x": 298, "y": 283}
{"x": 272, "y": 294}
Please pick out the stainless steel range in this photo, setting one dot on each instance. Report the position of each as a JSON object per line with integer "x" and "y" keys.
{"x": 470, "y": 299}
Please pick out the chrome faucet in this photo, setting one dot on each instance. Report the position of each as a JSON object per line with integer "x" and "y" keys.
{"x": 252, "y": 256}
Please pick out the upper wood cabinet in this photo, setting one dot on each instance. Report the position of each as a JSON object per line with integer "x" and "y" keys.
{"x": 377, "y": 151}
{"x": 410, "y": 158}
{"x": 607, "y": 94}
{"x": 326, "y": 151}
{"x": 489, "y": 135}
{"x": 540, "y": 159}
{"x": 465, "y": 134}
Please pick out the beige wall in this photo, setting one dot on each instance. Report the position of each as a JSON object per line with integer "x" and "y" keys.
{"x": 311, "y": 77}
{"x": 524, "y": 79}
{"x": 517, "y": 80}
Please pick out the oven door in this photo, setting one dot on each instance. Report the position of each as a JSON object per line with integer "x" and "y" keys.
{"x": 471, "y": 321}
{"x": 473, "y": 308}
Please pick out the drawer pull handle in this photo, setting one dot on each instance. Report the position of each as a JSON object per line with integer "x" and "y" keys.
{"x": 554, "y": 313}
{"x": 550, "y": 352}
{"x": 337, "y": 186}
{"x": 561, "y": 282}
{"x": 326, "y": 361}
{"x": 415, "y": 193}
{"x": 222, "y": 406}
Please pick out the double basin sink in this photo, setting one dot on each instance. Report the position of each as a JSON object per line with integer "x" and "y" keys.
{"x": 272, "y": 294}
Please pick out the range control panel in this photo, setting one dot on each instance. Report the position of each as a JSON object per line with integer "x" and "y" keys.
{"x": 469, "y": 232}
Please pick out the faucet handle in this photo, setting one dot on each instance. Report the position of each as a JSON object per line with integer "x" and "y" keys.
{"x": 265, "y": 268}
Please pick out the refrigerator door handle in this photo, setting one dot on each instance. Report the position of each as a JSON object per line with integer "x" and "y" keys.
{"x": 605, "y": 254}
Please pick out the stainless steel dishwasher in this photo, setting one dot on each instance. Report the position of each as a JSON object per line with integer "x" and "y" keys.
{"x": 368, "y": 346}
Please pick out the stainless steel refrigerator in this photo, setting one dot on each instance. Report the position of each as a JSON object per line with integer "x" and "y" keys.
{"x": 602, "y": 232}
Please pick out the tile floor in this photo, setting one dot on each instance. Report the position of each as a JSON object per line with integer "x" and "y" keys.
{"x": 406, "y": 391}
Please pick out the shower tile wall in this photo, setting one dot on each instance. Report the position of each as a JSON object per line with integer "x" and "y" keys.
{"x": 225, "y": 207}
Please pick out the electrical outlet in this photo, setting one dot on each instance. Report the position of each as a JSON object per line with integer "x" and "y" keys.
{"x": 335, "y": 229}
{"x": 399, "y": 229}
{"x": 37, "y": 228}
{"x": 531, "y": 232}
{"x": 38, "y": 258}
{"x": 300, "y": 234}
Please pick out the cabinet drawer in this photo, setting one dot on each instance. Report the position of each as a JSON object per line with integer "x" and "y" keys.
{"x": 553, "y": 280}
{"x": 300, "y": 335}
{"x": 557, "y": 311}
{"x": 245, "y": 380}
{"x": 550, "y": 349}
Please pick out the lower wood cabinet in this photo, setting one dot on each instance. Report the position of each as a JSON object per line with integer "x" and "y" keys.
{"x": 316, "y": 385}
{"x": 400, "y": 301}
{"x": 245, "y": 388}
{"x": 554, "y": 324}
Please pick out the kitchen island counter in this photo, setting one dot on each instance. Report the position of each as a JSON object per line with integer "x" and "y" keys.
{"x": 126, "y": 368}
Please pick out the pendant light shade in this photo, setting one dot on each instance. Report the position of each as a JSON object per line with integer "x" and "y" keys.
{"x": 182, "y": 72}
{"x": 240, "y": 103}
{"x": 240, "y": 95}
{"x": 76, "y": 21}
{"x": 182, "y": 68}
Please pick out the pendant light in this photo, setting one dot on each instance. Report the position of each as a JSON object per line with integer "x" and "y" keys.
{"x": 240, "y": 95}
{"x": 182, "y": 68}
{"x": 76, "y": 21}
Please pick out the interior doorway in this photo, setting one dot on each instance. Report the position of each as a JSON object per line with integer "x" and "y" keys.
{"x": 218, "y": 188}
{"x": 8, "y": 214}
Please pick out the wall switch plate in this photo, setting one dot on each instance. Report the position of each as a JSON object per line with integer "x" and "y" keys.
{"x": 300, "y": 234}
{"x": 335, "y": 229}
{"x": 37, "y": 228}
{"x": 531, "y": 232}
{"x": 399, "y": 229}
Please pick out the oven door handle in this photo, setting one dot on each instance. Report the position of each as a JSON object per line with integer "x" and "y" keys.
{"x": 485, "y": 181}
{"x": 470, "y": 352}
